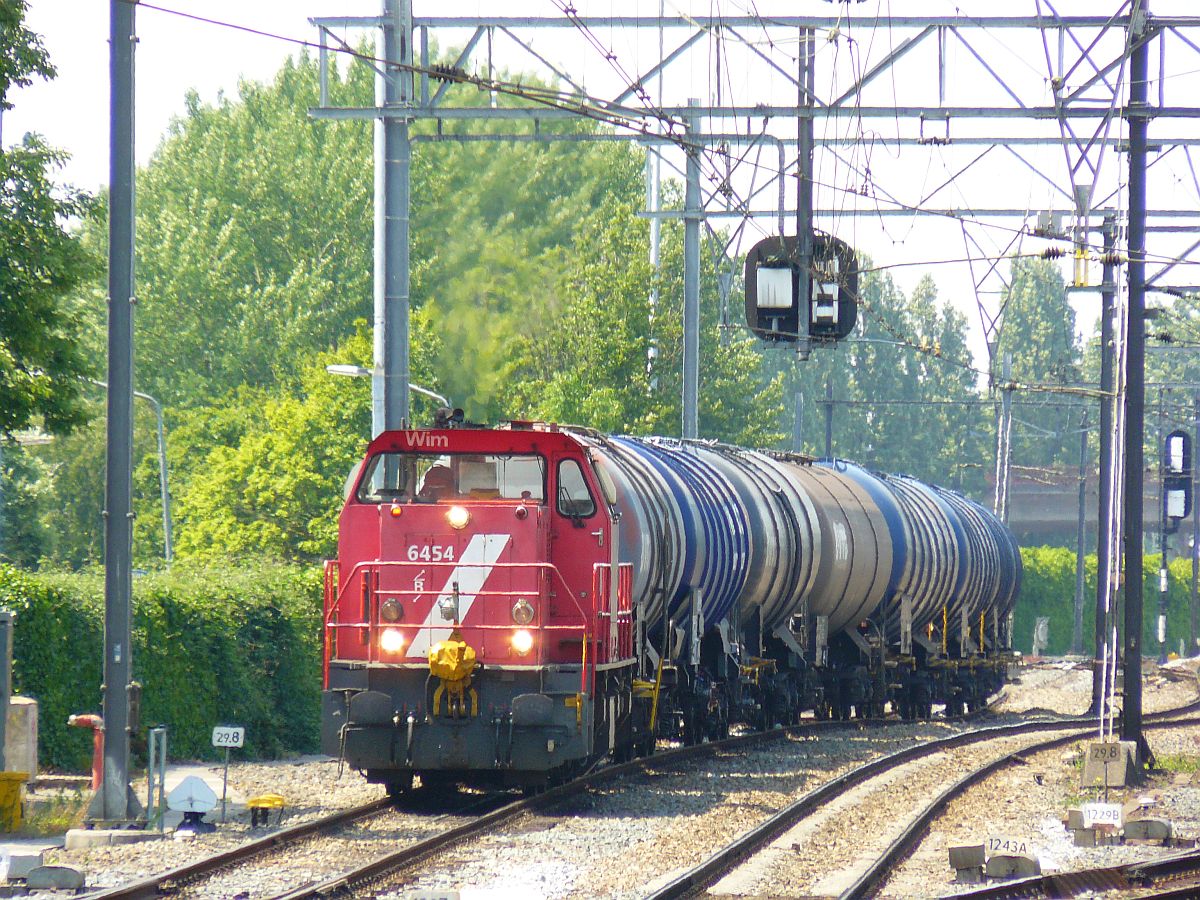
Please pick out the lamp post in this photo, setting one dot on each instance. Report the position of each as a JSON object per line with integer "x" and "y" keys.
{"x": 168, "y": 552}
{"x": 361, "y": 372}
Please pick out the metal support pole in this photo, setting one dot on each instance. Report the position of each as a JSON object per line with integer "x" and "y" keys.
{"x": 691, "y": 284}
{"x": 1004, "y": 442}
{"x": 168, "y": 551}
{"x": 804, "y": 191}
{"x": 1194, "y": 618}
{"x": 1131, "y": 710}
{"x": 1080, "y": 537}
{"x": 798, "y": 421}
{"x": 1104, "y": 501}
{"x": 393, "y": 155}
{"x": 1163, "y": 573}
{"x": 6, "y": 638}
{"x": 653, "y": 167}
{"x": 114, "y": 802}
{"x": 828, "y": 418}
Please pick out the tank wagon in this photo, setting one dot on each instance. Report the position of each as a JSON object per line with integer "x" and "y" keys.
{"x": 511, "y": 604}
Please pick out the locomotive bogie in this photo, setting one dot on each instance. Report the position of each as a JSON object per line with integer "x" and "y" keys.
{"x": 525, "y": 725}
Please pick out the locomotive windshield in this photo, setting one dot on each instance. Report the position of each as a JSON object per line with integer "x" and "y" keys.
{"x": 428, "y": 478}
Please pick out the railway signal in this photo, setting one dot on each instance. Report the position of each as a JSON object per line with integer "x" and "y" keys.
{"x": 1176, "y": 505}
{"x": 1177, "y": 480}
{"x": 775, "y": 309}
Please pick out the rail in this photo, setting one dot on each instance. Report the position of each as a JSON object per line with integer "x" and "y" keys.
{"x": 900, "y": 848}
{"x": 415, "y": 853}
{"x": 156, "y": 886}
{"x": 698, "y": 879}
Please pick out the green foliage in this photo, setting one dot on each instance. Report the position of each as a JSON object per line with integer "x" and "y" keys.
{"x": 1177, "y": 763}
{"x": 211, "y": 646}
{"x": 24, "y": 537}
{"x": 1039, "y": 331}
{"x": 1048, "y": 589}
{"x": 70, "y": 492}
{"x": 21, "y": 52}
{"x": 54, "y": 814}
{"x": 907, "y": 353}
{"x": 272, "y": 485}
{"x": 587, "y": 364}
{"x": 40, "y": 360}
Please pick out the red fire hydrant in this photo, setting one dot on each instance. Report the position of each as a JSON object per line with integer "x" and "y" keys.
{"x": 96, "y": 723}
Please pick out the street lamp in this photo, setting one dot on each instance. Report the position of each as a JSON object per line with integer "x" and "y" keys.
{"x": 361, "y": 372}
{"x": 168, "y": 553}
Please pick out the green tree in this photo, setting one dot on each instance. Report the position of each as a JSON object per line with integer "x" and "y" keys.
{"x": 40, "y": 361}
{"x": 272, "y": 486}
{"x": 255, "y": 238}
{"x": 24, "y": 538}
{"x": 1038, "y": 329}
{"x": 70, "y": 483}
{"x": 587, "y": 365}
{"x": 905, "y": 400}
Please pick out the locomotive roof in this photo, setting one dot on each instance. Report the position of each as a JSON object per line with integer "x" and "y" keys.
{"x": 513, "y": 437}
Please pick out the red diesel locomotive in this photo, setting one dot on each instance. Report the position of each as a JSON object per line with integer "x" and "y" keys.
{"x": 470, "y": 621}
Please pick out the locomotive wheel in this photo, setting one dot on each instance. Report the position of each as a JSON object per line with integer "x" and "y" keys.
{"x": 440, "y": 782}
{"x": 402, "y": 785}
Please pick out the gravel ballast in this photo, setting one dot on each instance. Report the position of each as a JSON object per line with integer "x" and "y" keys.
{"x": 622, "y": 840}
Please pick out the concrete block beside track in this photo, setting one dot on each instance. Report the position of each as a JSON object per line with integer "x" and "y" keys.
{"x": 82, "y": 838}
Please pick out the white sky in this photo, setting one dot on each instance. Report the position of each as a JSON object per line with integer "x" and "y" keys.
{"x": 175, "y": 55}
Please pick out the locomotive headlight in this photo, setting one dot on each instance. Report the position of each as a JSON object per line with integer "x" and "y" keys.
{"x": 522, "y": 641}
{"x": 458, "y": 517}
{"x": 391, "y": 640}
{"x": 390, "y": 610}
{"x": 522, "y": 612}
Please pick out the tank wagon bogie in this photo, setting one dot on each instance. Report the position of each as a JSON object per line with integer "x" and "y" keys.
{"x": 509, "y": 605}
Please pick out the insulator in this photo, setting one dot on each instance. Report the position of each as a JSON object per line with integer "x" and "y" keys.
{"x": 1053, "y": 253}
{"x": 1112, "y": 258}
{"x": 443, "y": 72}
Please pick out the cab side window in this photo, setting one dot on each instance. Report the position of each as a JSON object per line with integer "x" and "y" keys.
{"x": 574, "y": 498}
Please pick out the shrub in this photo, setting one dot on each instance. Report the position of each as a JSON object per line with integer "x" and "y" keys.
{"x": 1048, "y": 589}
{"x": 211, "y": 646}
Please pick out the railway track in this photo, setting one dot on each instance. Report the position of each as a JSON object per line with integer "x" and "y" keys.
{"x": 403, "y": 858}
{"x": 408, "y": 863}
{"x": 1172, "y": 876}
{"x": 416, "y": 815}
{"x": 866, "y": 876}
{"x": 441, "y": 833}
{"x": 200, "y": 877}
{"x": 191, "y": 878}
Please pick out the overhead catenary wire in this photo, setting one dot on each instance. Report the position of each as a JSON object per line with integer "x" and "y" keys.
{"x": 604, "y": 114}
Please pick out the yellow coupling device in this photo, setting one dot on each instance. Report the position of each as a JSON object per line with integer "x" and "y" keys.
{"x": 452, "y": 661}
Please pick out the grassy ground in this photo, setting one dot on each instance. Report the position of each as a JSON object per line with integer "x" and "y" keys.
{"x": 53, "y": 813}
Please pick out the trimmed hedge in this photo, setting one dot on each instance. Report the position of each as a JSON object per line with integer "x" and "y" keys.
{"x": 1048, "y": 589}
{"x": 237, "y": 646}
{"x": 241, "y": 646}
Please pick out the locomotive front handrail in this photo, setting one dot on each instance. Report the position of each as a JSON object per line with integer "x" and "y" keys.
{"x": 361, "y": 573}
{"x": 378, "y": 565}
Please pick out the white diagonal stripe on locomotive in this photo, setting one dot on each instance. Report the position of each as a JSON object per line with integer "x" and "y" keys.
{"x": 476, "y": 565}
